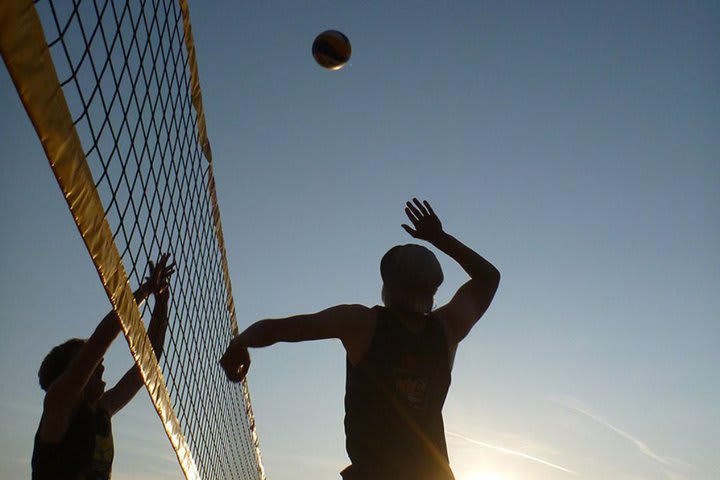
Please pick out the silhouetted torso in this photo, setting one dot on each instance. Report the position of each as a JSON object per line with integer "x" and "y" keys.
{"x": 84, "y": 453}
{"x": 393, "y": 404}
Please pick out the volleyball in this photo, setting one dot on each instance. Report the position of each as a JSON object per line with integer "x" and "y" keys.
{"x": 331, "y": 49}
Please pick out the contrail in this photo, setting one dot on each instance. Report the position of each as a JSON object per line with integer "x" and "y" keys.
{"x": 511, "y": 452}
{"x": 572, "y": 404}
{"x": 642, "y": 446}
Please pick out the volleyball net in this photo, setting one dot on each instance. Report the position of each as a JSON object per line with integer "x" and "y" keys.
{"x": 112, "y": 89}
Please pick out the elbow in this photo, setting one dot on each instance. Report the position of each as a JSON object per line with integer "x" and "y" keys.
{"x": 494, "y": 278}
{"x": 490, "y": 284}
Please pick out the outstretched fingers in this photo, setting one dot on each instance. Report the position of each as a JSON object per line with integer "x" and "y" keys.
{"x": 416, "y": 213}
{"x": 429, "y": 208}
{"x": 163, "y": 260}
{"x": 427, "y": 225}
{"x": 417, "y": 210}
{"x": 411, "y": 216}
{"x": 169, "y": 270}
{"x": 420, "y": 207}
{"x": 409, "y": 230}
{"x": 159, "y": 277}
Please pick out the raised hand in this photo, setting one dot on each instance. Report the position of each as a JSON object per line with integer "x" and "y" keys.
{"x": 158, "y": 279}
{"x": 235, "y": 361}
{"x": 427, "y": 225}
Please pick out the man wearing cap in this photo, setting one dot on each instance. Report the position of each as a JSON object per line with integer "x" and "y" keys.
{"x": 399, "y": 356}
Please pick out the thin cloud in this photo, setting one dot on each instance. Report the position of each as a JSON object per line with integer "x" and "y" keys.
{"x": 666, "y": 461}
{"x": 511, "y": 452}
{"x": 642, "y": 446}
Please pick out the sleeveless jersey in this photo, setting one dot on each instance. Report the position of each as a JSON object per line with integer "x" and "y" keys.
{"x": 84, "y": 453}
{"x": 393, "y": 404}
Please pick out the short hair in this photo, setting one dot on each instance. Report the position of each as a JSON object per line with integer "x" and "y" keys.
{"x": 58, "y": 360}
{"x": 411, "y": 275}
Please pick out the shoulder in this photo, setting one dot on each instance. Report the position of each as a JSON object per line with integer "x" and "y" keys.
{"x": 344, "y": 313}
{"x": 354, "y": 316}
{"x": 358, "y": 330}
{"x": 356, "y": 311}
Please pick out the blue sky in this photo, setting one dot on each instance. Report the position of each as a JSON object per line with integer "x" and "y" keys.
{"x": 574, "y": 144}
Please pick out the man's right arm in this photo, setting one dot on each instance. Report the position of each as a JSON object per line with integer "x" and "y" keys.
{"x": 343, "y": 322}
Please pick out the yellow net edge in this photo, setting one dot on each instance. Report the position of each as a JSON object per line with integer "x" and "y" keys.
{"x": 26, "y": 54}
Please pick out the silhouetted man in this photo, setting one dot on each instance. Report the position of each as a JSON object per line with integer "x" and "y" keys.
{"x": 399, "y": 356}
{"x": 74, "y": 439}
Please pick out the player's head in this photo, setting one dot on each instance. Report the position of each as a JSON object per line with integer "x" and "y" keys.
{"x": 411, "y": 275}
{"x": 58, "y": 360}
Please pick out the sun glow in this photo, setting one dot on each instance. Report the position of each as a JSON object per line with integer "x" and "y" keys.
{"x": 484, "y": 476}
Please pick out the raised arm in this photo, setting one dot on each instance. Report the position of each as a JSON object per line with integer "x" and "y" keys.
{"x": 342, "y": 322}
{"x": 157, "y": 283}
{"x": 65, "y": 391}
{"x": 474, "y": 297}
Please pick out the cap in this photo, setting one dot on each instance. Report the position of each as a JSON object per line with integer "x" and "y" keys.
{"x": 411, "y": 266}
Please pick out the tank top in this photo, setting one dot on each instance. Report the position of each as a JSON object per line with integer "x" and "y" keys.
{"x": 393, "y": 404}
{"x": 84, "y": 453}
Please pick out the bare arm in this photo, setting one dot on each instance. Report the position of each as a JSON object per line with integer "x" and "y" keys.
{"x": 117, "y": 397}
{"x": 64, "y": 393}
{"x": 474, "y": 297}
{"x": 67, "y": 390}
{"x": 69, "y": 386}
{"x": 341, "y": 321}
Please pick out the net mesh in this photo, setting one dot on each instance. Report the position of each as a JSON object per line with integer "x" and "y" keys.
{"x": 124, "y": 70}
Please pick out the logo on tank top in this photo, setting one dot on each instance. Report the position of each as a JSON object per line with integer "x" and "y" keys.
{"x": 410, "y": 383}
